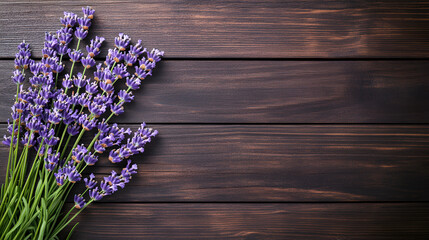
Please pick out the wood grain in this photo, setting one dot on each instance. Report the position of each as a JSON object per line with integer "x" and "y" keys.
{"x": 254, "y": 221}
{"x": 218, "y": 163}
{"x": 273, "y": 92}
{"x": 240, "y": 153}
{"x": 257, "y": 29}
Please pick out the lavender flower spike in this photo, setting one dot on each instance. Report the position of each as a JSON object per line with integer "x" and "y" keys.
{"x": 56, "y": 111}
{"x": 79, "y": 201}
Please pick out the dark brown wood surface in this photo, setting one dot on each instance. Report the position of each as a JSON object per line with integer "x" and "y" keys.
{"x": 256, "y": 29}
{"x": 255, "y": 221}
{"x": 277, "y": 119}
{"x": 274, "y": 92}
{"x": 264, "y": 163}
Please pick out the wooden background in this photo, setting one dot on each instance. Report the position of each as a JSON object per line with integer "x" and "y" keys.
{"x": 277, "y": 119}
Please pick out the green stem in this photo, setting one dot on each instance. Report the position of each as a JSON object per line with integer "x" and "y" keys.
{"x": 16, "y": 206}
{"x": 71, "y": 70}
{"x": 57, "y": 230}
{"x": 77, "y": 48}
{"x": 11, "y": 143}
{"x": 75, "y": 144}
{"x": 65, "y": 146}
{"x": 56, "y": 77}
{"x": 62, "y": 137}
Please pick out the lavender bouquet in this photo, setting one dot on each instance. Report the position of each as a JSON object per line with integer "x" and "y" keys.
{"x": 52, "y": 112}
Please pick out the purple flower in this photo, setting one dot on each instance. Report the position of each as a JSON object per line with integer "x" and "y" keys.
{"x": 54, "y": 117}
{"x": 115, "y": 55}
{"x": 155, "y": 55}
{"x": 106, "y": 87}
{"x": 33, "y": 125}
{"x": 44, "y": 133}
{"x": 48, "y": 53}
{"x": 108, "y": 76}
{"x": 137, "y": 49}
{"x": 103, "y": 100}
{"x": 80, "y": 81}
{"x": 84, "y": 99}
{"x": 146, "y": 65}
{"x": 67, "y": 82}
{"x": 90, "y": 183}
{"x": 114, "y": 156}
{"x": 59, "y": 106}
{"x": 91, "y": 88}
{"x": 79, "y": 201}
{"x": 142, "y": 74}
{"x": 133, "y": 83}
{"x": 128, "y": 171}
{"x": 125, "y": 96}
{"x": 88, "y": 62}
{"x": 105, "y": 188}
{"x": 63, "y": 49}
{"x": 130, "y": 60}
{"x": 52, "y": 141}
{"x": 23, "y": 49}
{"x": 22, "y": 63}
{"x": 65, "y": 36}
{"x": 78, "y": 153}
{"x": 49, "y": 62}
{"x": 7, "y": 140}
{"x": 86, "y": 123}
{"x": 103, "y": 127}
{"x": 98, "y": 147}
{"x": 52, "y": 161}
{"x": 57, "y": 68}
{"x": 75, "y": 56}
{"x": 35, "y": 67}
{"x": 69, "y": 19}
{"x": 51, "y": 41}
{"x": 36, "y": 110}
{"x": 94, "y": 194}
{"x": 90, "y": 159}
{"x": 122, "y": 42}
{"x": 80, "y": 33}
{"x": 96, "y": 109}
{"x": 20, "y": 107}
{"x": 120, "y": 72}
{"x": 73, "y": 129}
{"x": 109, "y": 61}
{"x": 22, "y": 58}
{"x": 94, "y": 48}
{"x": 84, "y": 23}
{"x": 18, "y": 77}
{"x": 73, "y": 175}
{"x": 69, "y": 116}
{"x": 114, "y": 181}
{"x": 117, "y": 109}
{"x": 59, "y": 177}
{"x": 99, "y": 74}
{"x": 88, "y": 12}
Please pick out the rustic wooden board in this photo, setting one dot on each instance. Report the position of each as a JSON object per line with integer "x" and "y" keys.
{"x": 219, "y": 163}
{"x": 273, "y": 92}
{"x": 256, "y": 29}
{"x": 240, "y": 154}
{"x": 254, "y": 221}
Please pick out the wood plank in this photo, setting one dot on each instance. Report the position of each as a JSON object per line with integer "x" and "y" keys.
{"x": 257, "y": 29}
{"x": 278, "y": 163}
{"x": 273, "y": 92}
{"x": 254, "y": 221}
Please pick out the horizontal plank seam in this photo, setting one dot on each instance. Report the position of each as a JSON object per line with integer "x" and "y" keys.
{"x": 279, "y": 59}
{"x": 268, "y": 123}
{"x": 263, "y": 202}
